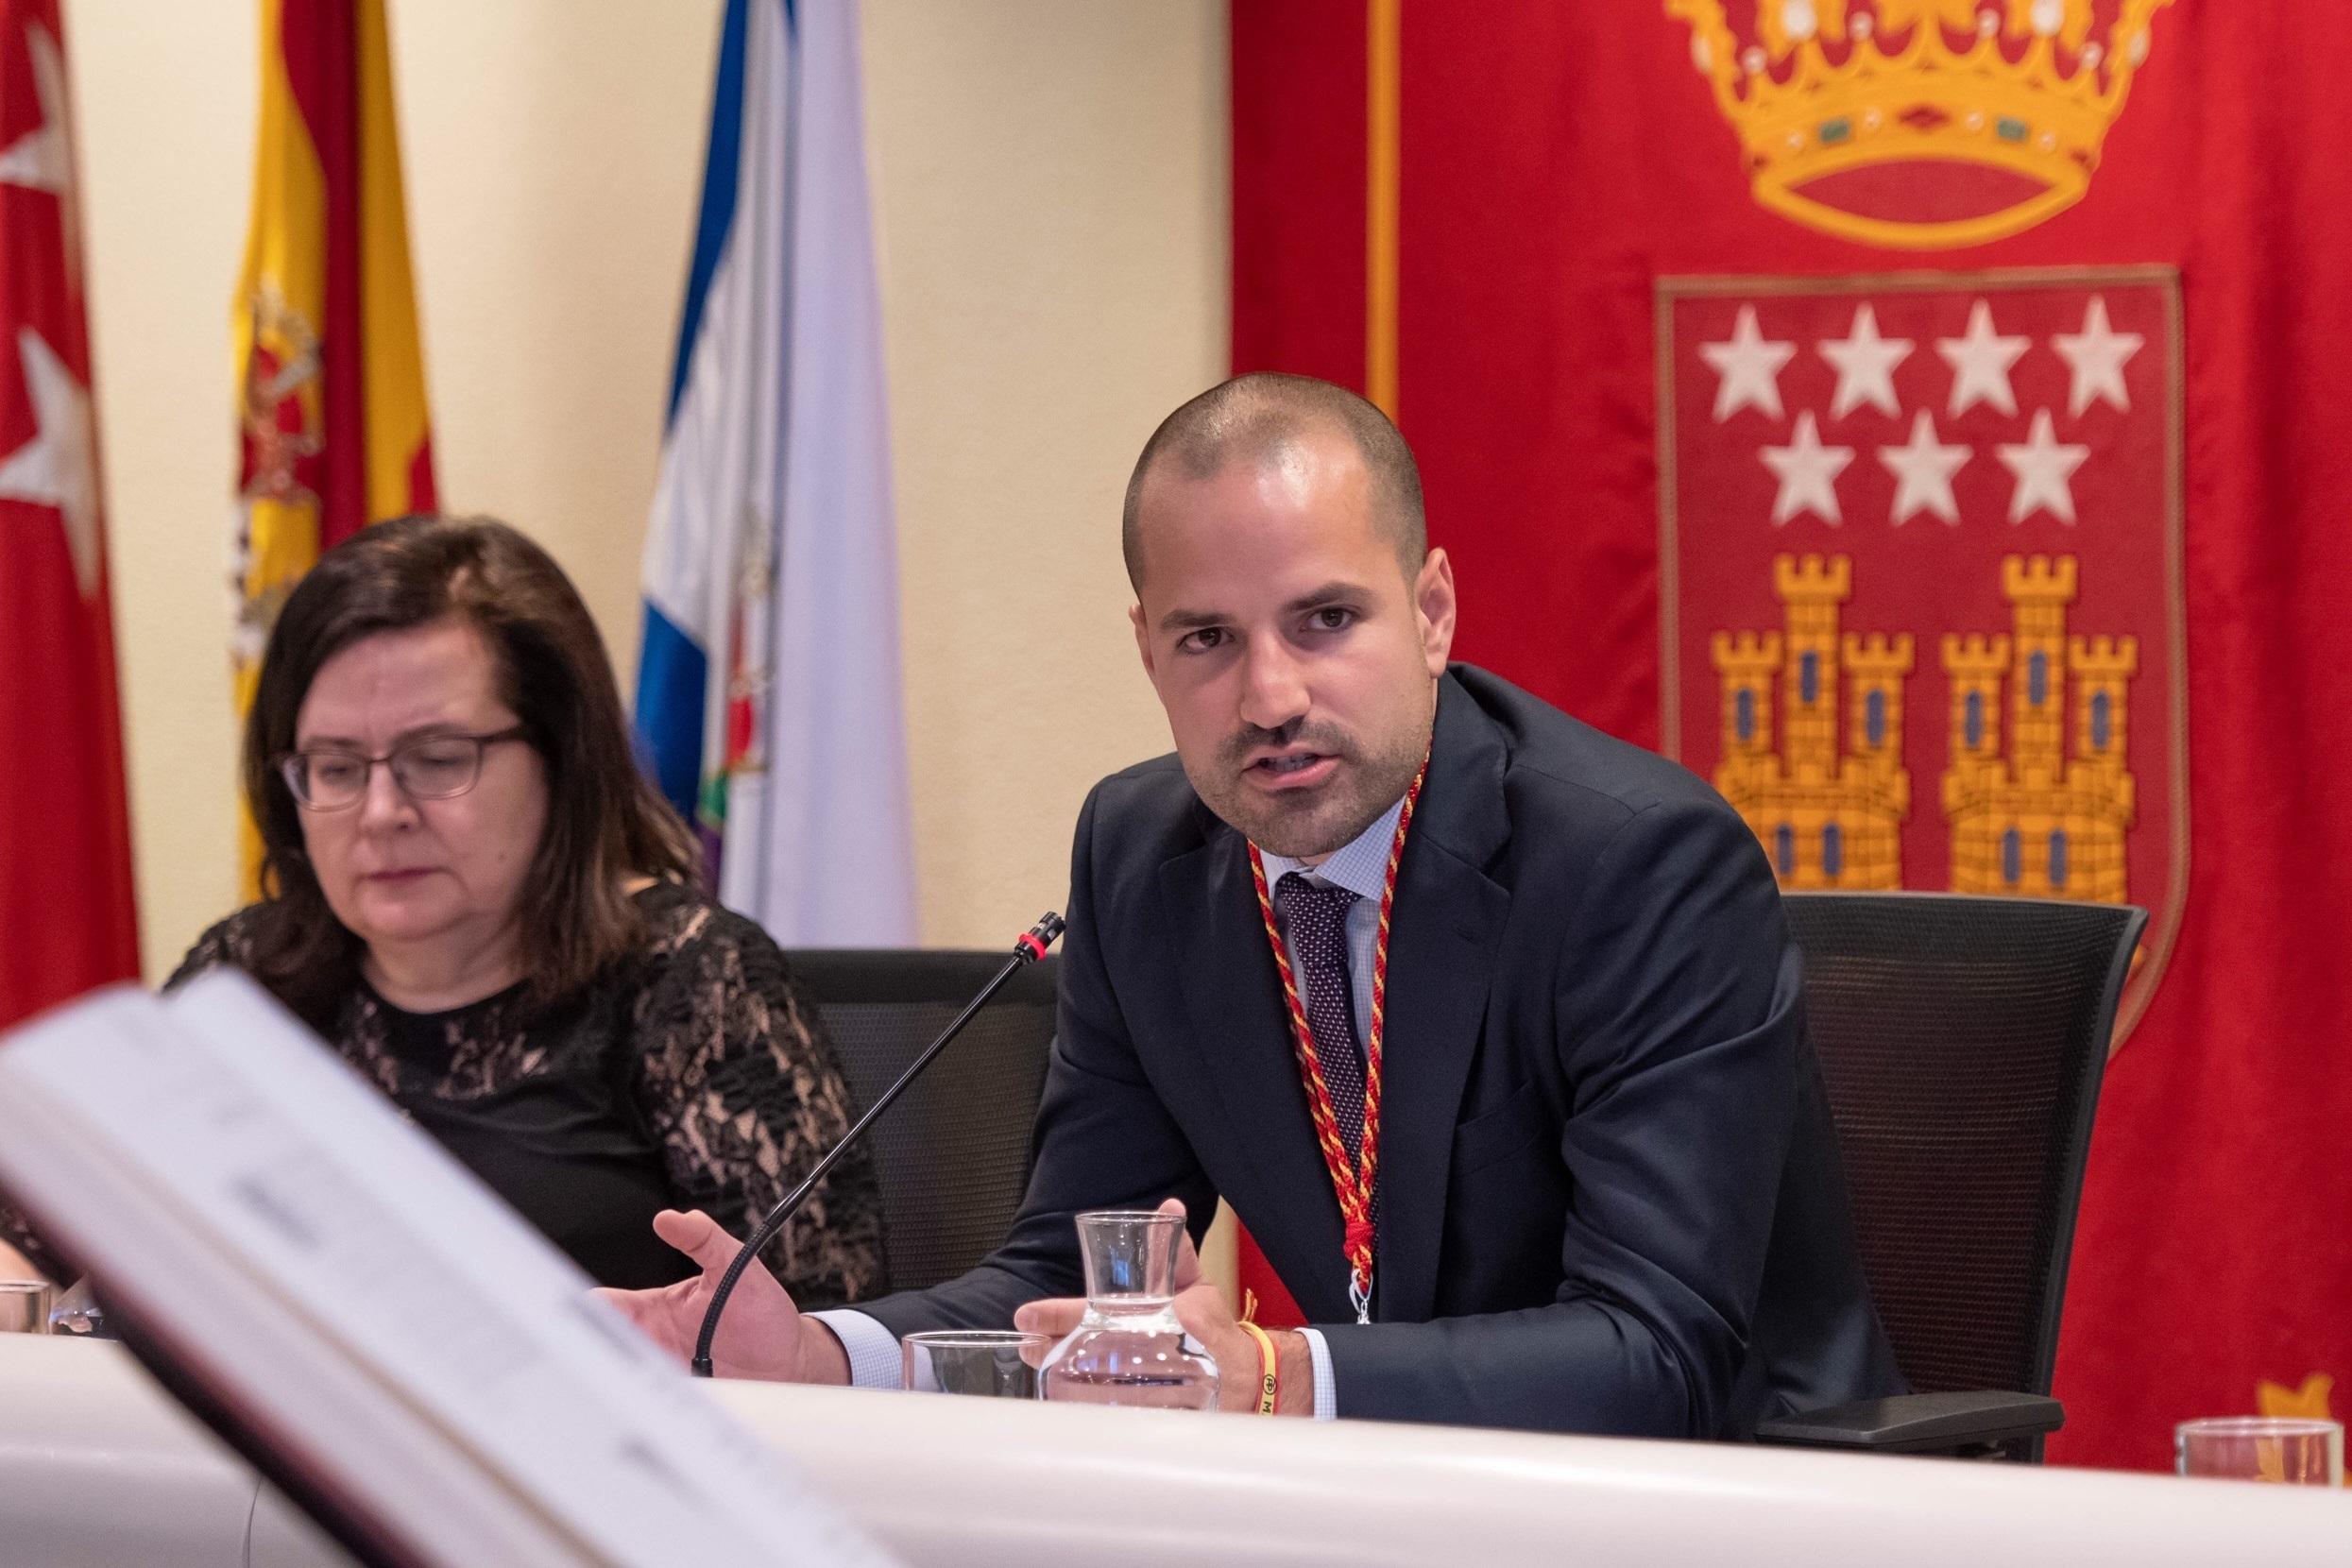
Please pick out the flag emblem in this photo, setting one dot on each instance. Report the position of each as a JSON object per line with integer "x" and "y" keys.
{"x": 280, "y": 426}
{"x": 1921, "y": 604}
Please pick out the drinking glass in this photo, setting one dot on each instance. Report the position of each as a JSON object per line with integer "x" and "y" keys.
{"x": 2283, "y": 1451}
{"x": 24, "y": 1305}
{"x": 77, "y": 1311}
{"x": 999, "y": 1364}
{"x": 1130, "y": 1348}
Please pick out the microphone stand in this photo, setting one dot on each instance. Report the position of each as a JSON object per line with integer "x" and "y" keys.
{"x": 1026, "y": 950}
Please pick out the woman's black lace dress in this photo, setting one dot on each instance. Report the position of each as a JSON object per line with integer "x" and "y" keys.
{"x": 695, "y": 1076}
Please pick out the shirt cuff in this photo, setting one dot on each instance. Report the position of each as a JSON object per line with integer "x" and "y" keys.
{"x": 1326, "y": 1398}
{"x": 875, "y": 1360}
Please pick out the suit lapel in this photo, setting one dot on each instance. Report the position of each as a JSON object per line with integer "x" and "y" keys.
{"x": 1272, "y": 1170}
{"x": 1448, "y": 918}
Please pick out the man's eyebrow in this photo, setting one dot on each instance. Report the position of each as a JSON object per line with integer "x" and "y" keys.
{"x": 1181, "y": 620}
{"x": 1333, "y": 593}
{"x": 1330, "y": 593}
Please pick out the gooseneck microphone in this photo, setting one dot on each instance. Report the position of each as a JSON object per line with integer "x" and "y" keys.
{"x": 1026, "y": 950}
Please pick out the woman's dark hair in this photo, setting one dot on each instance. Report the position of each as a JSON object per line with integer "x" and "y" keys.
{"x": 606, "y": 823}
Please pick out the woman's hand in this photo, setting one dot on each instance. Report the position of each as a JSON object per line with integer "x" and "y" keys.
{"x": 762, "y": 1335}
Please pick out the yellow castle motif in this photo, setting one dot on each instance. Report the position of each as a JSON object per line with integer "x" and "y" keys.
{"x": 1826, "y": 789}
{"x": 1829, "y": 801}
{"x": 1816, "y": 88}
{"x": 2046, "y": 818}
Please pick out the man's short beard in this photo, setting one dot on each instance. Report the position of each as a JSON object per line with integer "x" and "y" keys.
{"x": 1321, "y": 820}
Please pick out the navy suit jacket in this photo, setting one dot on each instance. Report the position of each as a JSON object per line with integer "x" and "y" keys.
{"x": 1610, "y": 1192}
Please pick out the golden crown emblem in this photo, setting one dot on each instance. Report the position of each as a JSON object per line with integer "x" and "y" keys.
{"x": 1838, "y": 103}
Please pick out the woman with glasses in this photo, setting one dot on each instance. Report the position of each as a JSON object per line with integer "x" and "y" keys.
{"x": 472, "y": 894}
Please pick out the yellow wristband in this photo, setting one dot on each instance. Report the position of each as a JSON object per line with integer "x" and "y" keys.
{"x": 1269, "y": 1368}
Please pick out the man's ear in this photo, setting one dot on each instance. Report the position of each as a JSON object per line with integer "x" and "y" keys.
{"x": 1143, "y": 640}
{"x": 1433, "y": 602}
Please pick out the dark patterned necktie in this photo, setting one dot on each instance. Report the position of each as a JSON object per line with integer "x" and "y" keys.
{"x": 1316, "y": 921}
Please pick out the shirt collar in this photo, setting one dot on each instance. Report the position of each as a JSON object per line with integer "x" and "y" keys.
{"x": 1360, "y": 865}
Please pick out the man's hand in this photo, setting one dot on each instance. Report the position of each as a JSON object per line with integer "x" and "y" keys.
{"x": 1201, "y": 1308}
{"x": 762, "y": 1335}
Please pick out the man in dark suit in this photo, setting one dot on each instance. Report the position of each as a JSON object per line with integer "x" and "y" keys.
{"x": 1603, "y": 1189}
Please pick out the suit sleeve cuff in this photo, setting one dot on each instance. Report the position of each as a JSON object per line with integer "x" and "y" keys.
{"x": 1326, "y": 1398}
{"x": 875, "y": 1361}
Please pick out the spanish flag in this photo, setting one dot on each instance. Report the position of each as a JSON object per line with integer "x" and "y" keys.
{"x": 332, "y": 429}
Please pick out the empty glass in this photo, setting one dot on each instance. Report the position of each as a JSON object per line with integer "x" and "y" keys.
{"x": 77, "y": 1311}
{"x": 2283, "y": 1451}
{"x": 999, "y": 1364}
{"x": 1129, "y": 1349}
{"x": 24, "y": 1305}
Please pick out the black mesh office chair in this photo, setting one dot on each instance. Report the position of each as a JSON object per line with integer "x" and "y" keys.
{"x": 952, "y": 1154}
{"x": 1962, "y": 1040}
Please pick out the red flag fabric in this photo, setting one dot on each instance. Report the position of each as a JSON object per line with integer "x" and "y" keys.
{"x": 66, "y": 912}
{"x": 1925, "y": 419}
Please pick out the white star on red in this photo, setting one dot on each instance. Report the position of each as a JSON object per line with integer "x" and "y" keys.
{"x": 2097, "y": 355}
{"x": 1865, "y": 365}
{"x": 42, "y": 158}
{"x": 1750, "y": 365}
{"x": 1808, "y": 473}
{"x": 56, "y": 468}
{"x": 1923, "y": 468}
{"x": 2043, "y": 465}
{"x": 1980, "y": 361}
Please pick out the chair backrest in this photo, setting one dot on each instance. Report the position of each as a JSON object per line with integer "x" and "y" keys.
{"x": 1962, "y": 1041}
{"x": 952, "y": 1155}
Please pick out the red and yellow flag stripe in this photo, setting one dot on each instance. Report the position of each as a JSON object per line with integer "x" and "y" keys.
{"x": 333, "y": 433}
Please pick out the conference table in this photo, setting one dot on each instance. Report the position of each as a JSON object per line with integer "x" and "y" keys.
{"x": 97, "y": 1466}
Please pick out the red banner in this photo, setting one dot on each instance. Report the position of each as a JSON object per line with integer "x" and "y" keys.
{"x": 66, "y": 914}
{"x": 1924, "y": 419}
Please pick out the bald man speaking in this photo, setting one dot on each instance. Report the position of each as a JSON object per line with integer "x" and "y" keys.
{"x": 1486, "y": 1024}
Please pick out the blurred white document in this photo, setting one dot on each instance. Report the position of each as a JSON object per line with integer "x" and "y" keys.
{"x": 427, "y": 1371}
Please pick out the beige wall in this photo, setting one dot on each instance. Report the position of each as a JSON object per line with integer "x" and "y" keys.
{"x": 1049, "y": 189}
{"x": 1051, "y": 185}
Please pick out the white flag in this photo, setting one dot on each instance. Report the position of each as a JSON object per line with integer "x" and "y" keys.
{"x": 769, "y": 690}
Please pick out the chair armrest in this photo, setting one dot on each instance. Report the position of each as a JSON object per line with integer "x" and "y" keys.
{"x": 1974, "y": 1421}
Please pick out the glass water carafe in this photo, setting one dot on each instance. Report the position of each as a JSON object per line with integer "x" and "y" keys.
{"x": 1130, "y": 1348}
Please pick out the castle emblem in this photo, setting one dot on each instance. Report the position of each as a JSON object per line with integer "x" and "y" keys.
{"x": 2049, "y": 816}
{"x": 2036, "y": 807}
{"x": 1829, "y": 792}
{"x": 1920, "y": 124}
{"x": 1920, "y": 600}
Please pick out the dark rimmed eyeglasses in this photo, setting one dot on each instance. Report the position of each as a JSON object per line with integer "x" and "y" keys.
{"x": 432, "y": 767}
